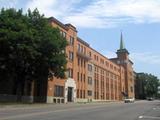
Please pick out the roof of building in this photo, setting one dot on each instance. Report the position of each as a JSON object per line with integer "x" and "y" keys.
{"x": 64, "y": 26}
{"x": 67, "y": 26}
{"x": 83, "y": 42}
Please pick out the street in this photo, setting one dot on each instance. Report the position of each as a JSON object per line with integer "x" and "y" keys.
{"x": 140, "y": 110}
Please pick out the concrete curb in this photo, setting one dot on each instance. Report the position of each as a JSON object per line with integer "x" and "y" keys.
{"x": 39, "y": 105}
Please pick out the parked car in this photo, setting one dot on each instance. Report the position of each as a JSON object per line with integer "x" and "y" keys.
{"x": 150, "y": 98}
{"x": 129, "y": 100}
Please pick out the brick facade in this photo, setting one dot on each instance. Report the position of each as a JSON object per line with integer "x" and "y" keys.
{"x": 90, "y": 75}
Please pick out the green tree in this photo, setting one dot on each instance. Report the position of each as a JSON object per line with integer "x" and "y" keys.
{"x": 151, "y": 85}
{"x": 147, "y": 85}
{"x": 30, "y": 48}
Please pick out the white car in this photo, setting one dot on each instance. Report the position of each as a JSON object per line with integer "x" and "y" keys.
{"x": 129, "y": 100}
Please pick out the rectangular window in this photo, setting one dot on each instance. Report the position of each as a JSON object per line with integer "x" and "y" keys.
{"x": 95, "y": 94}
{"x": 80, "y": 93}
{"x": 94, "y": 57}
{"x": 90, "y": 54}
{"x": 70, "y": 55}
{"x": 81, "y": 76}
{"x": 84, "y": 50}
{"x": 115, "y": 68}
{"x": 71, "y": 41}
{"x": 61, "y": 32}
{"x": 111, "y": 66}
{"x": 59, "y": 91}
{"x": 84, "y": 94}
{"x": 64, "y": 34}
{"x": 97, "y": 58}
{"x": 89, "y": 93}
{"x": 84, "y": 77}
{"x": 77, "y": 93}
{"x": 90, "y": 80}
{"x": 107, "y": 64}
{"x": 131, "y": 89}
{"x": 70, "y": 73}
{"x": 89, "y": 67}
{"x": 101, "y": 61}
{"x": 79, "y": 48}
{"x": 78, "y": 76}
{"x": 95, "y": 69}
{"x": 111, "y": 75}
{"x": 79, "y": 61}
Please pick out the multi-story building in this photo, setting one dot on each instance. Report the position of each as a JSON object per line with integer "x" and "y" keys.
{"x": 90, "y": 75}
{"x": 139, "y": 86}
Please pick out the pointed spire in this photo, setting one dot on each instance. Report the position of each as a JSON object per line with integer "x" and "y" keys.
{"x": 122, "y": 46}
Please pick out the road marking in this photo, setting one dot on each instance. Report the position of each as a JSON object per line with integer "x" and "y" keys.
{"x": 149, "y": 117}
{"x": 156, "y": 108}
{"x": 140, "y": 117}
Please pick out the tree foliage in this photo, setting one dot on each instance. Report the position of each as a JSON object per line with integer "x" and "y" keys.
{"x": 149, "y": 84}
{"x": 30, "y": 48}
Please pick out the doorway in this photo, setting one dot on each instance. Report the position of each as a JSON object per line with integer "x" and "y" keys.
{"x": 70, "y": 94}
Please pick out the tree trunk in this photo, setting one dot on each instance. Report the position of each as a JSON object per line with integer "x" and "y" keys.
{"x": 19, "y": 92}
{"x": 20, "y": 87}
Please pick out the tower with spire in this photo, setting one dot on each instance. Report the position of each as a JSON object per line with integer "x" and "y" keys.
{"x": 122, "y": 46}
{"x": 127, "y": 83}
{"x": 123, "y": 60}
{"x": 122, "y": 52}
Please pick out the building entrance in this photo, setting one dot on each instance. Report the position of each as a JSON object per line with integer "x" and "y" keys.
{"x": 70, "y": 94}
{"x": 70, "y": 90}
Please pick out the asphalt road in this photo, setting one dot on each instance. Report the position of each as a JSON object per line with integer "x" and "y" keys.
{"x": 140, "y": 110}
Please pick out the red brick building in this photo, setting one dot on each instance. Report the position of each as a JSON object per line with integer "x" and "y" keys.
{"x": 90, "y": 75}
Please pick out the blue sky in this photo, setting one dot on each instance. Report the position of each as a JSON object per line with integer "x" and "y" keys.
{"x": 99, "y": 23}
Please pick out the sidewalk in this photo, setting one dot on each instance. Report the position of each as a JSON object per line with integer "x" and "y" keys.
{"x": 13, "y": 106}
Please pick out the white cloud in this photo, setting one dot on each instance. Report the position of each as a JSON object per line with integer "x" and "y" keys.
{"x": 87, "y": 21}
{"x": 106, "y": 13}
{"x": 56, "y": 8}
{"x": 8, "y": 3}
{"x": 146, "y": 58}
{"x": 96, "y": 13}
{"x": 110, "y": 54}
{"x": 43, "y": 6}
